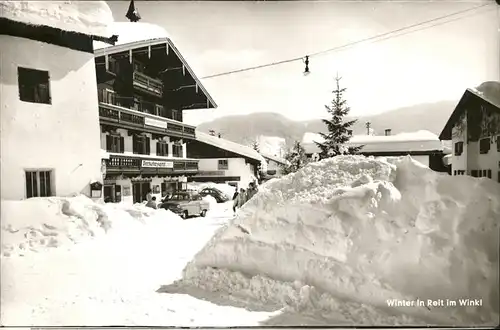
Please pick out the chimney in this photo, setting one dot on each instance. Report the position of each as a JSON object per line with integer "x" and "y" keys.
{"x": 388, "y": 132}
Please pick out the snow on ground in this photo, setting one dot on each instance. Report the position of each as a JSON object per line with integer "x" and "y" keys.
{"x": 109, "y": 279}
{"x": 342, "y": 237}
{"x": 90, "y": 17}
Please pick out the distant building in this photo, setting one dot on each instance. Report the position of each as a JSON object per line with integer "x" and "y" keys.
{"x": 422, "y": 146}
{"x": 223, "y": 161}
{"x": 144, "y": 85}
{"x": 474, "y": 129}
{"x": 274, "y": 165}
{"x": 48, "y": 116}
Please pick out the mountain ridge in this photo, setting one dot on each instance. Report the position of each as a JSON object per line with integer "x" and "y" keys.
{"x": 244, "y": 129}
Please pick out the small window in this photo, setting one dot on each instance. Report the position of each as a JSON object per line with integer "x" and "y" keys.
{"x": 115, "y": 143}
{"x": 177, "y": 150}
{"x": 455, "y": 172}
{"x": 141, "y": 144}
{"x": 474, "y": 173}
{"x": 162, "y": 148}
{"x": 488, "y": 174}
{"x": 459, "y": 148}
{"x": 484, "y": 145}
{"x": 498, "y": 176}
{"x": 34, "y": 85}
{"x": 223, "y": 164}
{"x": 38, "y": 184}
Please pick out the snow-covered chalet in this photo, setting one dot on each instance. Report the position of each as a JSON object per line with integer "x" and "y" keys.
{"x": 49, "y": 123}
{"x": 144, "y": 85}
{"x": 224, "y": 161}
{"x": 474, "y": 129}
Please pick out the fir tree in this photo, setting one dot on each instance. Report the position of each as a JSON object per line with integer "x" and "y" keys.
{"x": 339, "y": 132}
{"x": 260, "y": 170}
{"x": 296, "y": 159}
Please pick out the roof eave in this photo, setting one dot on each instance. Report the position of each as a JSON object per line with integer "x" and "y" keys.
{"x": 151, "y": 42}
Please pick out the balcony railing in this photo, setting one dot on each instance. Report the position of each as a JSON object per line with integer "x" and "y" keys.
{"x": 134, "y": 164}
{"x": 148, "y": 83}
{"x": 121, "y": 109}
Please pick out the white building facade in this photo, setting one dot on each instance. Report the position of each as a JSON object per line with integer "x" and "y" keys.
{"x": 49, "y": 119}
{"x": 474, "y": 129}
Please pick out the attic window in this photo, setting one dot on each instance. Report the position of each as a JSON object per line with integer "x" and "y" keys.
{"x": 34, "y": 85}
{"x": 484, "y": 145}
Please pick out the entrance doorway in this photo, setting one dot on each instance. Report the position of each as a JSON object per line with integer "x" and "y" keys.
{"x": 112, "y": 193}
{"x": 140, "y": 190}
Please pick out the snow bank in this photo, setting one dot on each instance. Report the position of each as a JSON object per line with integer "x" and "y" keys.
{"x": 211, "y": 200}
{"x": 89, "y": 17}
{"x": 356, "y": 230}
{"x": 36, "y": 224}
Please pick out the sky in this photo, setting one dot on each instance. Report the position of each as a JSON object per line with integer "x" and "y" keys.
{"x": 425, "y": 66}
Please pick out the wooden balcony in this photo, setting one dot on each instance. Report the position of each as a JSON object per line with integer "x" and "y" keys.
{"x": 148, "y": 84}
{"x": 115, "y": 110}
{"x": 150, "y": 166}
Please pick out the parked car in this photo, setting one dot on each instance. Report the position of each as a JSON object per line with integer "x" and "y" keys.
{"x": 219, "y": 196}
{"x": 186, "y": 204}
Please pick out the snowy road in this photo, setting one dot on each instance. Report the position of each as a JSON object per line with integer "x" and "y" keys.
{"x": 114, "y": 281}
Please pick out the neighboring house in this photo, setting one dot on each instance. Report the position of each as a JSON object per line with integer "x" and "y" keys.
{"x": 474, "y": 129}
{"x": 48, "y": 116}
{"x": 144, "y": 84}
{"x": 274, "y": 165}
{"x": 422, "y": 146}
{"x": 224, "y": 161}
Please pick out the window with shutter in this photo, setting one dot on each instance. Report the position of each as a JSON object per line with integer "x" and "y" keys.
{"x": 34, "y": 85}
{"x": 135, "y": 146}
{"x": 147, "y": 142}
{"x": 108, "y": 143}
{"x": 122, "y": 144}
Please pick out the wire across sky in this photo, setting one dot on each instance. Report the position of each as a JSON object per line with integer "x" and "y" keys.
{"x": 379, "y": 37}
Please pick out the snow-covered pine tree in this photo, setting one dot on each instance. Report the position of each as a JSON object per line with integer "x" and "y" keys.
{"x": 260, "y": 170}
{"x": 339, "y": 132}
{"x": 296, "y": 159}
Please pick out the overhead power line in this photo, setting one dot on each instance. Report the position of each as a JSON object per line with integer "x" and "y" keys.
{"x": 378, "y": 37}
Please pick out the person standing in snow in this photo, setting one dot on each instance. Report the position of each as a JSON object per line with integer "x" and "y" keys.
{"x": 152, "y": 203}
{"x": 252, "y": 190}
{"x": 149, "y": 196}
{"x": 235, "y": 193}
{"x": 239, "y": 200}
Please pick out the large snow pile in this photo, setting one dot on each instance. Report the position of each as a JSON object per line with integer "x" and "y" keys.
{"x": 37, "y": 224}
{"x": 356, "y": 231}
{"x": 89, "y": 17}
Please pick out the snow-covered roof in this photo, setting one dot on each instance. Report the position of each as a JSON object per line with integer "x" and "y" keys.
{"x": 489, "y": 91}
{"x": 273, "y": 158}
{"x": 130, "y": 32}
{"x": 88, "y": 17}
{"x": 133, "y": 35}
{"x": 229, "y": 146}
{"x": 414, "y": 141}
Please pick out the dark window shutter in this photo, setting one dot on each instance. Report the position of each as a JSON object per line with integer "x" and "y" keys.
{"x": 148, "y": 146}
{"x": 122, "y": 144}
{"x": 134, "y": 144}
{"x": 118, "y": 193}
{"x": 109, "y": 141}
{"x": 180, "y": 151}
{"x": 158, "y": 149}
